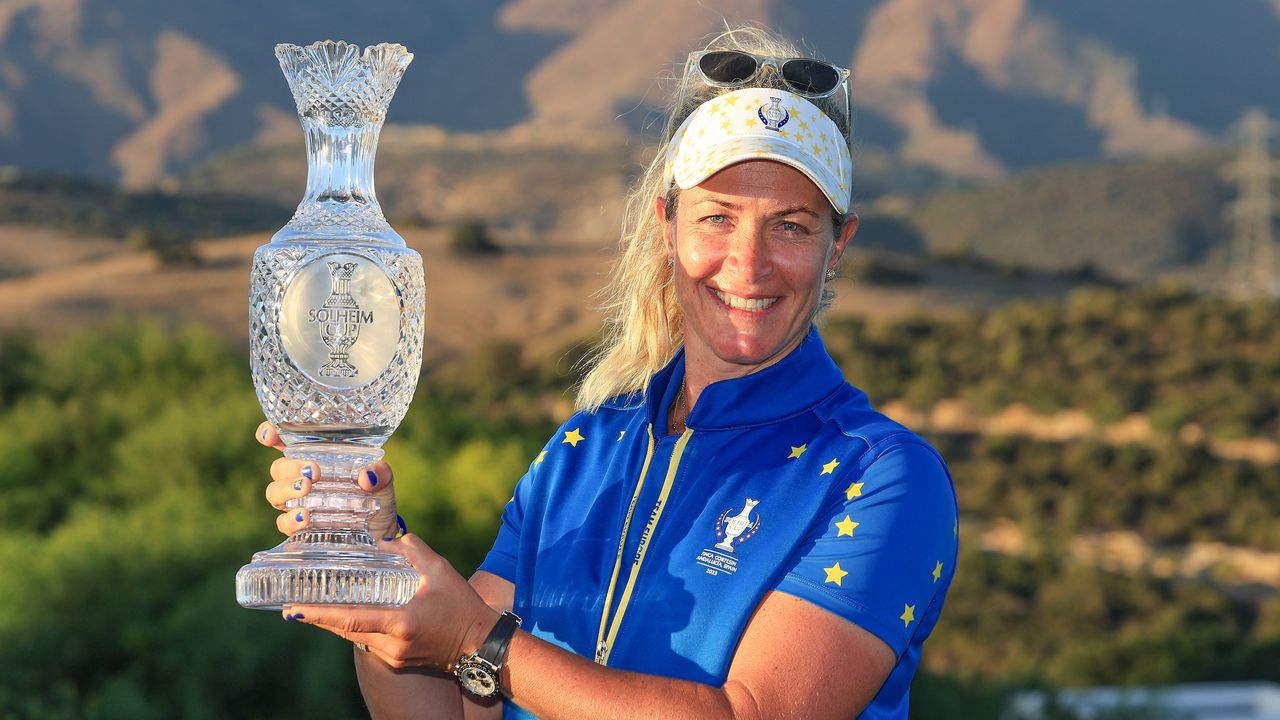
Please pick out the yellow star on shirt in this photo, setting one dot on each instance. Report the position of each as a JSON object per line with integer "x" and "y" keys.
{"x": 835, "y": 574}
{"x": 749, "y": 121}
{"x": 620, "y": 434}
{"x": 830, "y": 467}
{"x": 725, "y": 125}
{"x": 937, "y": 571}
{"x": 798, "y": 451}
{"x": 853, "y": 491}
{"x": 783, "y": 134}
{"x": 541, "y": 456}
{"x": 731, "y": 100}
{"x": 846, "y": 526}
{"x": 573, "y": 437}
{"x": 908, "y": 614}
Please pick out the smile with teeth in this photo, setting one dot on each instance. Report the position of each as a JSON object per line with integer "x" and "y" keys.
{"x": 741, "y": 303}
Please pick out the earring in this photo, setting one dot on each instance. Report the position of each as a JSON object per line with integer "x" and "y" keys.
{"x": 831, "y": 274}
{"x": 671, "y": 261}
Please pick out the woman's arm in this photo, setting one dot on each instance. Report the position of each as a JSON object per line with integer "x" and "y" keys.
{"x": 416, "y": 692}
{"x": 794, "y": 659}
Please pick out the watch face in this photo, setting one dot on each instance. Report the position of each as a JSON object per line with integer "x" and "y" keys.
{"x": 477, "y": 679}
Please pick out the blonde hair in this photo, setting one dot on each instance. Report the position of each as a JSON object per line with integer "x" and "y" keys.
{"x": 643, "y": 327}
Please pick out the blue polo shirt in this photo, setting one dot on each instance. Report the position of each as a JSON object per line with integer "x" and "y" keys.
{"x": 649, "y": 552}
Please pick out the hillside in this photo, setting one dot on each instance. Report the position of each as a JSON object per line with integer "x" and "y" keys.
{"x": 1130, "y": 219}
{"x": 141, "y": 92}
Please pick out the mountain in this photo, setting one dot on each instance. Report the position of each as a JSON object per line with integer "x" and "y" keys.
{"x": 140, "y": 91}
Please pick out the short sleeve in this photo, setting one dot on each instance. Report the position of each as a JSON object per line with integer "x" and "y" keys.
{"x": 883, "y": 554}
{"x": 501, "y": 560}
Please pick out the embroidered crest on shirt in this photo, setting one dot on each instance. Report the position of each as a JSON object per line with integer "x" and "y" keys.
{"x": 733, "y": 528}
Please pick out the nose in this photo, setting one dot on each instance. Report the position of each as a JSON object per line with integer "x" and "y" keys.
{"x": 748, "y": 256}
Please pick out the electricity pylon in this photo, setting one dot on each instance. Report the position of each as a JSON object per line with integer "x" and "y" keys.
{"x": 1251, "y": 264}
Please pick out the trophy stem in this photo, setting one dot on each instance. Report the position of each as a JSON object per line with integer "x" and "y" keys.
{"x": 336, "y": 502}
{"x": 335, "y": 559}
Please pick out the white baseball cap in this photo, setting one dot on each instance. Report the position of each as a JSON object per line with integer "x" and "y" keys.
{"x": 762, "y": 124}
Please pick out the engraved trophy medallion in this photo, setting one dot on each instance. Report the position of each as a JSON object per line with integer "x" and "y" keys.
{"x": 335, "y": 323}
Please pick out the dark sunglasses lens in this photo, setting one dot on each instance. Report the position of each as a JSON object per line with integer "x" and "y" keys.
{"x": 727, "y": 66}
{"x": 810, "y": 76}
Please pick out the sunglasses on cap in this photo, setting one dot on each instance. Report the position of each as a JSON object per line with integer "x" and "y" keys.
{"x": 823, "y": 84}
{"x": 733, "y": 68}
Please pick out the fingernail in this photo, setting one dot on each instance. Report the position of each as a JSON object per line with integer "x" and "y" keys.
{"x": 299, "y": 616}
{"x": 404, "y": 529}
{"x": 373, "y": 478}
{"x": 288, "y": 618}
{"x": 306, "y": 471}
{"x": 298, "y": 517}
{"x": 387, "y": 539}
{"x": 297, "y": 485}
{"x": 264, "y": 433}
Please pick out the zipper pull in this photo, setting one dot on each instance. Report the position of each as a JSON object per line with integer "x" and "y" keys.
{"x": 601, "y": 649}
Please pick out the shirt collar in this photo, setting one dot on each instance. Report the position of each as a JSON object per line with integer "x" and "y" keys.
{"x": 794, "y": 384}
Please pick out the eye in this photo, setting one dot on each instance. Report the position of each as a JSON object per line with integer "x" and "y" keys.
{"x": 716, "y": 219}
{"x": 791, "y": 226}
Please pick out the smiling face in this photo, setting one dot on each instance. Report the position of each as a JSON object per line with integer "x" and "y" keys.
{"x": 751, "y": 246}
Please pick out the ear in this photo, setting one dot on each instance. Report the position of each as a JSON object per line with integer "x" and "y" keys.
{"x": 842, "y": 242}
{"x": 668, "y": 231}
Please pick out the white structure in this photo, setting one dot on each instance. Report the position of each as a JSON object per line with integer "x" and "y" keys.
{"x": 1194, "y": 701}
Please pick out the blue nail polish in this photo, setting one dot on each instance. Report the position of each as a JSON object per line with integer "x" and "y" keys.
{"x": 299, "y": 616}
{"x": 306, "y": 472}
{"x": 297, "y": 485}
{"x": 387, "y": 539}
{"x": 404, "y": 529}
{"x": 288, "y": 618}
{"x": 373, "y": 478}
{"x": 264, "y": 433}
{"x": 298, "y": 517}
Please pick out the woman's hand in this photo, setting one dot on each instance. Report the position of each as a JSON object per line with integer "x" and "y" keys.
{"x": 444, "y": 620}
{"x": 292, "y": 479}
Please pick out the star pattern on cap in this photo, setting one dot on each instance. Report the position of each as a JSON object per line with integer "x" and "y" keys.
{"x": 729, "y": 128}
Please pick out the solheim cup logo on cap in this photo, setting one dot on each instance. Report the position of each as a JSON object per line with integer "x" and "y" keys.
{"x": 733, "y": 526}
{"x": 774, "y": 116}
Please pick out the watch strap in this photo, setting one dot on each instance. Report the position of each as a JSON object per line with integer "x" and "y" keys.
{"x": 494, "y": 649}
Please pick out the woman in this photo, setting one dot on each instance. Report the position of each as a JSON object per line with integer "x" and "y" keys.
{"x": 725, "y": 528}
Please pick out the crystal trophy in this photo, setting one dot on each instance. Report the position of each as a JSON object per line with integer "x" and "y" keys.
{"x": 335, "y": 329}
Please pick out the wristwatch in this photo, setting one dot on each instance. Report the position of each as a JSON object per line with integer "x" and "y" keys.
{"x": 478, "y": 672}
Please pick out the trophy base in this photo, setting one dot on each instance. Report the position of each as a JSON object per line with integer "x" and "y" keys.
{"x": 287, "y": 575}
